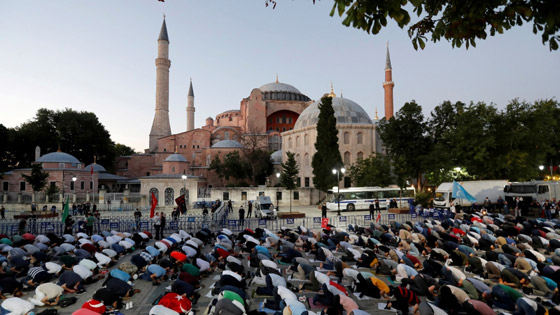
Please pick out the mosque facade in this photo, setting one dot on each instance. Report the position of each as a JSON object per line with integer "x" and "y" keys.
{"x": 276, "y": 116}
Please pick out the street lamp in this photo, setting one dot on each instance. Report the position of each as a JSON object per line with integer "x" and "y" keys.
{"x": 277, "y": 181}
{"x": 337, "y": 172}
{"x": 74, "y": 178}
{"x": 184, "y": 177}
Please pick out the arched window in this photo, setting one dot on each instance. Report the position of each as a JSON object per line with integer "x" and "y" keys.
{"x": 360, "y": 138}
{"x": 346, "y": 138}
{"x": 306, "y": 139}
{"x": 290, "y": 143}
{"x": 169, "y": 196}
{"x": 297, "y": 141}
{"x": 346, "y": 158}
{"x": 226, "y": 135}
{"x": 173, "y": 169}
{"x": 154, "y": 191}
{"x": 360, "y": 156}
{"x": 306, "y": 159}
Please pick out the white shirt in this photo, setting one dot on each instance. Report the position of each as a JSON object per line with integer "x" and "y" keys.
{"x": 284, "y": 293}
{"x": 202, "y": 264}
{"x": 82, "y": 271}
{"x": 102, "y": 259}
{"x": 17, "y": 306}
{"x": 321, "y": 277}
{"x": 88, "y": 263}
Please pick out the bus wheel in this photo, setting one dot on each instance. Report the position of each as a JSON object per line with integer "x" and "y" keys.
{"x": 351, "y": 207}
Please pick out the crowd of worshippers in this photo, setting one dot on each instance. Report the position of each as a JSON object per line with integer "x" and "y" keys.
{"x": 477, "y": 264}
{"x": 57, "y": 268}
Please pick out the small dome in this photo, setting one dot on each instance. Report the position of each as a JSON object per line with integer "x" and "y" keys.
{"x": 96, "y": 168}
{"x": 175, "y": 157}
{"x": 276, "y": 157}
{"x": 346, "y": 112}
{"x": 58, "y": 157}
{"x": 227, "y": 144}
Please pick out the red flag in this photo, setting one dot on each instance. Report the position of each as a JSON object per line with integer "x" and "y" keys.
{"x": 378, "y": 217}
{"x": 91, "y": 172}
{"x": 154, "y": 204}
{"x": 181, "y": 203}
{"x": 324, "y": 223}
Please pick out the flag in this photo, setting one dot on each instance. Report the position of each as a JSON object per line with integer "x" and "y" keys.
{"x": 324, "y": 223}
{"x": 378, "y": 217}
{"x": 154, "y": 204}
{"x": 66, "y": 210}
{"x": 180, "y": 201}
{"x": 459, "y": 192}
{"x": 91, "y": 172}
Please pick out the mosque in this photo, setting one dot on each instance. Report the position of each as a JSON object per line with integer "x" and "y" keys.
{"x": 275, "y": 116}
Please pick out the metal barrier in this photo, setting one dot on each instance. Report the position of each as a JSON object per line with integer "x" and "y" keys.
{"x": 193, "y": 223}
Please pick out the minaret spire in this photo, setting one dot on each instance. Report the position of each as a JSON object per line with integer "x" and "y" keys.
{"x": 190, "y": 108}
{"x": 388, "y": 86}
{"x": 160, "y": 126}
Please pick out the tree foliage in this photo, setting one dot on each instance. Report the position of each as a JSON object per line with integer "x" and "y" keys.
{"x": 289, "y": 175}
{"x": 373, "y": 171}
{"x": 123, "y": 150}
{"x": 258, "y": 165}
{"x": 479, "y": 140}
{"x": 77, "y": 133}
{"x": 38, "y": 178}
{"x": 406, "y": 138}
{"x": 458, "y": 21}
{"x": 327, "y": 155}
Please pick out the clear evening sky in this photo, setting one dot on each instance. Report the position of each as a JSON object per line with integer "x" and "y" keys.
{"x": 99, "y": 56}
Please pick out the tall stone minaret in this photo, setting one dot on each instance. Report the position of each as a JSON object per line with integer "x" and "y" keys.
{"x": 190, "y": 108}
{"x": 388, "y": 86}
{"x": 160, "y": 126}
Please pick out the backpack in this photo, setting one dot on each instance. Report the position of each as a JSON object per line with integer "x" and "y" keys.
{"x": 67, "y": 301}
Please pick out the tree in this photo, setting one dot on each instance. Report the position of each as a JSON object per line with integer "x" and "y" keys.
{"x": 406, "y": 139}
{"x": 123, "y": 150}
{"x": 77, "y": 133}
{"x": 327, "y": 155}
{"x": 38, "y": 178}
{"x": 373, "y": 171}
{"x": 258, "y": 165}
{"x": 217, "y": 166}
{"x": 289, "y": 175}
{"x": 460, "y": 22}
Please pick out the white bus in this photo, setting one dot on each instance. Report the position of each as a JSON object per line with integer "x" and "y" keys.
{"x": 531, "y": 191}
{"x": 359, "y": 198}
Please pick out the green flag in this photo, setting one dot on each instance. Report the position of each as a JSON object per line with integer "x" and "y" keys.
{"x": 66, "y": 210}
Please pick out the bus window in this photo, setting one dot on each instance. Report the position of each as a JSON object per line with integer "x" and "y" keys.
{"x": 408, "y": 193}
{"x": 543, "y": 189}
{"x": 369, "y": 195}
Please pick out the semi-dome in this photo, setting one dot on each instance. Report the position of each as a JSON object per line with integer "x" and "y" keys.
{"x": 227, "y": 144}
{"x": 282, "y": 92}
{"x": 58, "y": 157}
{"x": 346, "y": 112}
{"x": 96, "y": 168}
{"x": 276, "y": 157}
{"x": 175, "y": 157}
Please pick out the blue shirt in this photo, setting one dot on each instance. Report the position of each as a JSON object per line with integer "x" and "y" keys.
{"x": 119, "y": 274}
{"x": 155, "y": 269}
{"x": 152, "y": 251}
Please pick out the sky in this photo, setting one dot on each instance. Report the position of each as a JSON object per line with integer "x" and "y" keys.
{"x": 99, "y": 56}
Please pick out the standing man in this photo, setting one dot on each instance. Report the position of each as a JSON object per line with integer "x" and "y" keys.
{"x": 241, "y": 216}
{"x": 137, "y": 216}
{"x": 371, "y": 210}
{"x": 377, "y": 205}
{"x": 157, "y": 224}
{"x": 3, "y": 212}
{"x": 89, "y": 224}
{"x": 249, "y": 209}
{"x": 230, "y": 207}
{"x": 324, "y": 210}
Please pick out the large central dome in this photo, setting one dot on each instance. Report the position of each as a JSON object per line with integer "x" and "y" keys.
{"x": 346, "y": 112}
{"x": 282, "y": 92}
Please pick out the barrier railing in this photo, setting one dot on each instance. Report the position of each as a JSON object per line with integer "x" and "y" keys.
{"x": 192, "y": 223}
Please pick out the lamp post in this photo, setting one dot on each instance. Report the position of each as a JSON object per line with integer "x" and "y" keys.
{"x": 184, "y": 177}
{"x": 74, "y": 178}
{"x": 337, "y": 172}
{"x": 277, "y": 181}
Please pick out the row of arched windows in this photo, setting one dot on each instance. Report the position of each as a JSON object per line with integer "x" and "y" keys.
{"x": 169, "y": 197}
{"x": 346, "y": 139}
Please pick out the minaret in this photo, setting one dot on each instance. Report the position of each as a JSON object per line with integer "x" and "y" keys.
{"x": 190, "y": 108}
{"x": 388, "y": 86}
{"x": 160, "y": 126}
